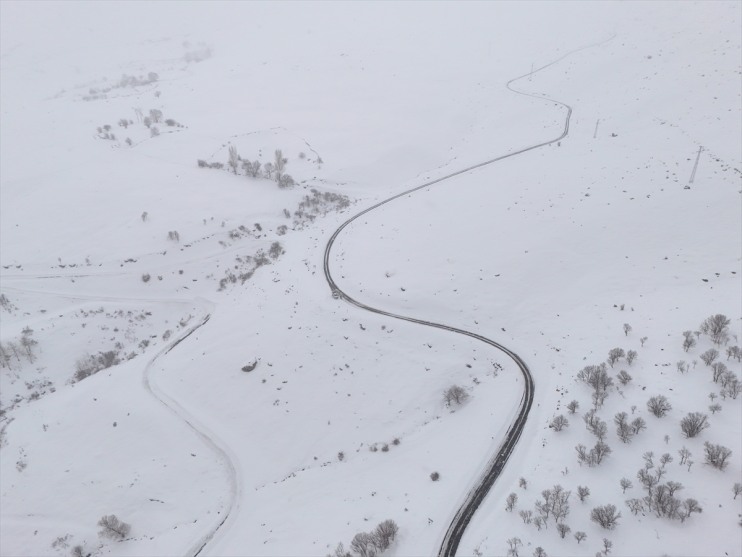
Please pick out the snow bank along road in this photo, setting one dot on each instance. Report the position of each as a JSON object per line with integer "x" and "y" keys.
{"x": 497, "y": 462}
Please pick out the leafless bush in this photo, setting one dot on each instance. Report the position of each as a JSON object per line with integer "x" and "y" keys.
{"x": 625, "y": 484}
{"x": 709, "y": 356}
{"x": 510, "y": 502}
{"x": 563, "y": 530}
{"x": 234, "y": 158}
{"x": 579, "y": 536}
{"x": 606, "y": 516}
{"x": 583, "y": 492}
{"x": 718, "y": 369}
{"x": 276, "y": 250}
{"x": 252, "y": 169}
{"x": 573, "y": 406}
{"x": 716, "y": 327}
{"x": 614, "y": 355}
{"x": 455, "y": 394}
{"x": 173, "y": 236}
{"x": 631, "y": 356}
{"x": 113, "y": 528}
{"x": 659, "y": 405}
{"x": 626, "y": 329}
{"x": 688, "y": 340}
{"x": 623, "y": 377}
{"x": 693, "y": 424}
{"x": 559, "y": 423}
{"x": 717, "y": 455}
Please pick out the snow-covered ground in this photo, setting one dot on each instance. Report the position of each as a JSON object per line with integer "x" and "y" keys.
{"x": 342, "y": 420}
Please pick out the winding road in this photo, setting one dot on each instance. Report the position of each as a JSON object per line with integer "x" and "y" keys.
{"x": 497, "y": 462}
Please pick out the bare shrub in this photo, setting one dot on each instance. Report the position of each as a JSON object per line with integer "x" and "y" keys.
{"x": 693, "y": 424}
{"x": 559, "y": 423}
{"x": 659, "y": 405}
{"x": 579, "y": 536}
{"x": 709, "y": 356}
{"x": 688, "y": 340}
{"x": 717, "y": 455}
{"x": 363, "y": 544}
{"x": 455, "y": 394}
{"x": 384, "y": 534}
{"x": 626, "y": 329}
{"x": 606, "y": 516}
{"x": 563, "y": 530}
{"x": 573, "y": 406}
{"x": 614, "y": 355}
{"x": 624, "y": 378}
{"x": 510, "y": 502}
{"x": 716, "y": 327}
{"x": 718, "y": 369}
{"x": 113, "y": 528}
{"x": 625, "y": 484}
{"x": 631, "y": 356}
{"x": 234, "y": 159}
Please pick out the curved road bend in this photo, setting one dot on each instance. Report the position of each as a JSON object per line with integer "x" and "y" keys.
{"x": 497, "y": 462}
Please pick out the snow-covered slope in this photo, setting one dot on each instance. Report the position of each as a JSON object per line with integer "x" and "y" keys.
{"x": 342, "y": 421}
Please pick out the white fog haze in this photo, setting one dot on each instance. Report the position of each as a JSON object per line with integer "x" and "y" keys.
{"x": 368, "y": 279}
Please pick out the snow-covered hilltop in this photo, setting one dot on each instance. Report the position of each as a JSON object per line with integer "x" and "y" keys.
{"x": 177, "y": 376}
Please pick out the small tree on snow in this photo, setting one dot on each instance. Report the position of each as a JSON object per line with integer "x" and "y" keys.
{"x": 583, "y": 492}
{"x": 573, "y": 406}
{"x": 113, "y": 528}
{"x": 606, "y": 516}
{"x": 716, "y": 327}
{"x": 693, "y": 424}
{"x": 234, "y": 158}
{"x": 717, "y": 455}
{"x": 563, "y": 530}
{"x": 579, "y": 536}
{"x": 709, "y": 356}
{"x": 659, "y": 405}
{"x": 625, "y": 484}
{"x": 455, "y": 394}
{"x": 631, "y": 356}
{"x": 513, "y": 545}
{"x": 626, "y": 329}
{"x": 737, "y": 489}
{"x": 559, "y": 423}
{"x": 623, "y": 377}
{"x": 614, "y": 355}
{"x": 688, "y": 340}
{"x": 510, "y": 502}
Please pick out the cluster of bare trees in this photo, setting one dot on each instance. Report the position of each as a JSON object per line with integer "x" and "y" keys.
{"x": 12, "y": 353}
{"x": 89, "y": 365}
{"x": 274, "y": 170}
{"x": 596, "y": 376}
{"x": 369, "y": 544}
{"x": 660, "y": 497}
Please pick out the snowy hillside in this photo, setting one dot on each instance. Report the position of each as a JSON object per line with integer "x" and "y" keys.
{"x": 172, "y": 354}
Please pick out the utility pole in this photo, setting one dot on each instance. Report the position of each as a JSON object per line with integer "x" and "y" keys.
{"x": 596, "y": 128}
{"x": 695, "y": 166}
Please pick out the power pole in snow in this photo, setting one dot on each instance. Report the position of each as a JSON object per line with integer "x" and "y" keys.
{"x": 695, "y": 166}
{"x": 596, "y": 128}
